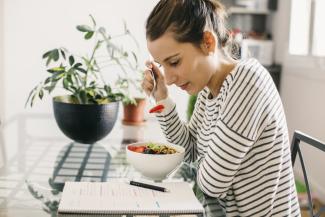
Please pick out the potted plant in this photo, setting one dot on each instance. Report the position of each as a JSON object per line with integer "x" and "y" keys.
{"x": 133, "y": 100}
{"x": 130, "y": 86}
{"x": 88, "y": 110}
{"x": 133, "y": 107}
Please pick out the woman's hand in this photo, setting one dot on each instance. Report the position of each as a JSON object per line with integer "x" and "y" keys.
{"x": 161, "y": 91}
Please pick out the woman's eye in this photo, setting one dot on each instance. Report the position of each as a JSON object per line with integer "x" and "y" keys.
{"x": 174, "y": 63}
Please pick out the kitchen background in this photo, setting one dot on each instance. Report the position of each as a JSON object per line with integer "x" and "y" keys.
{"x": 29, "y": 28}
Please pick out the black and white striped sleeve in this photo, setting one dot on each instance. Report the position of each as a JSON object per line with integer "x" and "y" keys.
{"x": 178, "y": 132}
{"x": 243, "y": 117}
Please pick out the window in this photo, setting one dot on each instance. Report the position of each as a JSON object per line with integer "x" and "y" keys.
{"x": 306, "y": 31}
{"x": 318, "y": 46}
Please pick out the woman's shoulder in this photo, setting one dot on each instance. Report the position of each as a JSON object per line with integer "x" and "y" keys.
{"x": 247, "y": 66}
{"x": 248, "y": 71}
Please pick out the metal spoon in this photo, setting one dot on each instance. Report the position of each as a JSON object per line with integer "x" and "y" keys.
{"x": 151, "y": 96}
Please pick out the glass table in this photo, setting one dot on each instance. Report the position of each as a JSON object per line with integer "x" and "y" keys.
{"x": 40, "y": 159}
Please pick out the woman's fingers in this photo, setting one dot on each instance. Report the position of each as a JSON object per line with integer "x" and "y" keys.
{"x": 160, "y": 91}
{"x": 147, "y": 83}
{"x": 155, "y": 69}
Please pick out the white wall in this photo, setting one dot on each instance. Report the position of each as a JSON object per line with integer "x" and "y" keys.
{"x": 1, "y": 59}
{"x": 302, "y": 91}
{"x": 35, "y": 26}
{"x": 2, "y": 159}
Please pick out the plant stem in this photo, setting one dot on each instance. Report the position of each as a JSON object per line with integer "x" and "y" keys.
{"x": 90, "y": 62}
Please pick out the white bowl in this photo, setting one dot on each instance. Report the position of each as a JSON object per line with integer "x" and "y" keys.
{"x": 155, "y": 166}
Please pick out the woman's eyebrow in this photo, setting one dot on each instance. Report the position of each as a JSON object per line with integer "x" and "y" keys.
{"x": 168, "y": 58}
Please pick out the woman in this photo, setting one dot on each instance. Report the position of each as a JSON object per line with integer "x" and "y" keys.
{"x": 237, "y": 135}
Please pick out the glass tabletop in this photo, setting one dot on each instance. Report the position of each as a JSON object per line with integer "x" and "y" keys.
{"x": 41, "y": 159}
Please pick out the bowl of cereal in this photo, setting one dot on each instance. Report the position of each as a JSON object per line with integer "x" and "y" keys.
{"x": 154, "y": 160}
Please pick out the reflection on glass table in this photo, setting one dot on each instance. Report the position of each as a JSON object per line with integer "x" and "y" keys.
{"x": 43, "y": 159}
{"x": 80, "y": 162}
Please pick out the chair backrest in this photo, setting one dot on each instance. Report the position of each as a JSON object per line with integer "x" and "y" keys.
{"x": 295, "y": 149}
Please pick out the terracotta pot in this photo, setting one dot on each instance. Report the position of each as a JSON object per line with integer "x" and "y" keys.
{"x": 134, "y": 114}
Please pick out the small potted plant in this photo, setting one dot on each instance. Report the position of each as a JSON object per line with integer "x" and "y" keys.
{"x": 129, "y": 77}
{"x": 133, "y": 99}
{"x": 88, "y": 110}
{"x": 133, "y": 107}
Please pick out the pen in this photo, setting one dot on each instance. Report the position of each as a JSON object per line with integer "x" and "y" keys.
{"x": 152, "y": 187}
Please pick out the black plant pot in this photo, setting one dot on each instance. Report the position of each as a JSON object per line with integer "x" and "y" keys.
{"x": 85, "y": 123}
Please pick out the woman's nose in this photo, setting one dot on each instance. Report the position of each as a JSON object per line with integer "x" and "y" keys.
{"x": 170, "y": 77}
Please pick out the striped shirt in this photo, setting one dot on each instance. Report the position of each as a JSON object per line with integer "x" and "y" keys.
{"x": 239, "y": 140}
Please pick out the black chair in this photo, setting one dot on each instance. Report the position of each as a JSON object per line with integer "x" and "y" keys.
{"x": 295, "y": 149}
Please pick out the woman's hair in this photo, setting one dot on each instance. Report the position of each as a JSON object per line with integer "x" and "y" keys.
{"x": 188, "y": 19}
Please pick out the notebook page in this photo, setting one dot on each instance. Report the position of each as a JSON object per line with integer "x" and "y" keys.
{"x": 119, "y": 197}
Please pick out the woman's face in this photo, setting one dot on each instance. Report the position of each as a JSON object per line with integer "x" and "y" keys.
{"x": 184, "y": 64}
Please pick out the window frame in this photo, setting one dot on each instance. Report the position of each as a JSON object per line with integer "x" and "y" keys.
{"x": 309, "y": 60}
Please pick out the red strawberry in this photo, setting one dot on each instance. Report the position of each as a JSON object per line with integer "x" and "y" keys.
{"x": 157, "y": 109}
{"x": 132, "y": 148}
{"x": 140, "y": 149}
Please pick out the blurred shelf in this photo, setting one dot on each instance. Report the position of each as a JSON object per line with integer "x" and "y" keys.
{"x": 241, "y": 10}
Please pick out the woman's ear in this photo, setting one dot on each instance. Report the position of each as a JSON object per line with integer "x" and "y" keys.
{"x": 208, "y": 43}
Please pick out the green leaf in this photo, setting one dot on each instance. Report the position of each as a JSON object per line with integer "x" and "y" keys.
{"x": 55, "y": 54}
{"x": 30, "y": 95}
{"x": 57, "y": 75}
{"x": 83, "y": 97}
{"x": 65, "y": 83}
{"x": 47, "y": 88}
{"x": 56, "y": 69}
{"x": 73, "y": 88}
{"x": 45, "y": 55}
{"x": 69, "y": 78}
{"x": 84, "y": 28}
{"x": 81, "y": 70}
{"x": 91, "y": 92}
{"x": 108, "y": 89}
{"x": 103, "y": 101}
{"x": 41, "y": 94}
{"x": 49, "y": 59}
{"x": 62, "y": 53}
{"x": 77, "y": 65}
{"x": 92, "y": 19}
{"x": 88, "y": 35}
{"x": 135, "y": 57}
{"x": 33, "y": 100}
{"x": 47, "y": 80}
{"x": 92, "y": 83}
{"x": 51, "y": 87}
{"x": 71, "y": 60}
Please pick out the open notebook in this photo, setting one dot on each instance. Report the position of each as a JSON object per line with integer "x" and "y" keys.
{"x": 122, "y": 198}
